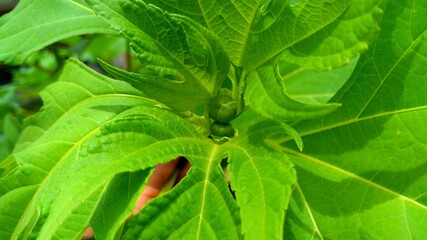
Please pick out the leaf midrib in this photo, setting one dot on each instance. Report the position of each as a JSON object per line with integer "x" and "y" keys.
{"x": 353, "y": 176}
{"x": 65, "y": 156}
{"x": 60, "y": 36}
{"x": 404, "y": 54}
{"x": 205, "y": 186}
{"x": 36, "y": 195}
{"x": 247, "y": 34}
{"x": 355, "y": 120}
{"x": 81, "y": 6}
{"x": 307, "y": 206}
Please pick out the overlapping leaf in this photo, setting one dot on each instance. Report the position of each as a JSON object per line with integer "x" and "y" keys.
{"x": 342, "y": 40}
{"x": 189, "y": 8}
{"x": 362, "y": 173}
{"x": 262, "y": 180}
{"x": 261, "y": 177}
{"x": 255, "y": 31}
{"x": 110, "y": 215}
{"x": 74, "y": 109}
{"x": 200, "y": 207}
{"x": 66, "y": 173}
{"x": 185, "y": 63}
{"x": 137, "y": 139}
{"x": 267, "y": 96}
{"x": 24, "y": 31}
{"x": 361, "y": 176}
{"x": 311, "y": 86}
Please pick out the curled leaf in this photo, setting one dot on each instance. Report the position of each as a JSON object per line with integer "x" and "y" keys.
{"x": 268, "y": 98}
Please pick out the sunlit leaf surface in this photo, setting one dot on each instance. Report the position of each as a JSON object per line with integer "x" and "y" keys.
{"x": 362, "y": 173}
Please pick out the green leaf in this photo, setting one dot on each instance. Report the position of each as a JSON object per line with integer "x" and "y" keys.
{"x": 262, "y": 180}
{"x": 199, "y": 207}
{"x": 47, "y": 144}
{"x": 189, "y": 8}
{"x": 300, "y": 223}
{"x": 111, "y": 213}
{"x": 23, "y": 31}
{"x": 268, "y": 98}
{"x": 137, "y": 139}
{"x": 12, "y": 128}
{"x": 340, "y": 41}
{"x": 315, "y": 87}
{"x": 140, "y": 138}
{"x": 362, "y": 172}
{"x": 61, "y": 181}
{"x": 253, "y": 31}
{"x": 185, "y": 63}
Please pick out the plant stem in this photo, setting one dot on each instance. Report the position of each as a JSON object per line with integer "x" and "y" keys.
{"x": 129, "y": 61}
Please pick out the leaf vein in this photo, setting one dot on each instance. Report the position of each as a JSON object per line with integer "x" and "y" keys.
{"x": 353, "y": 176}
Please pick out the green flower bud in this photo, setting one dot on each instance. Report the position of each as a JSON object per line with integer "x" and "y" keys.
{"x": 223, "y": 108}
{"x": 222, "y": 130}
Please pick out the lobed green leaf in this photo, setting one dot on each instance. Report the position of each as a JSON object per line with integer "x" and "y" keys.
{"x": 362, "y": 171}
{"x": 65, "y": 174}
{"x": 262, "y": 180}
{"x": 75, "y": 107}
{"x": 256, "y": 31}
{"x": 199, "y": 207}
{"x": 185, "y": 63}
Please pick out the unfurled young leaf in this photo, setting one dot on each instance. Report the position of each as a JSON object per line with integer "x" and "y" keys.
{"x": 185, "y": 63}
